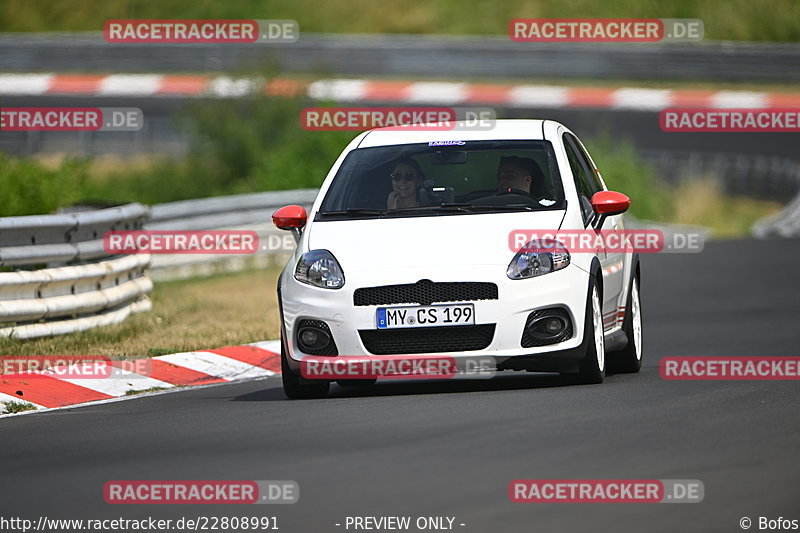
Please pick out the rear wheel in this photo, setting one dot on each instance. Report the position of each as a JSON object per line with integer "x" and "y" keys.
{"x": 593, "y": 365}
{"x": 629, "y": 359}
{"x": 300, "y": 389}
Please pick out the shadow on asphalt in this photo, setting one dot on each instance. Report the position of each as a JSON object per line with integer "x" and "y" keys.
{"x": 510, "y": 381}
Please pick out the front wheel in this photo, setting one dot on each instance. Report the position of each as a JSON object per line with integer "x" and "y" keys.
{"x": 629, "y": 359}
{"x": 593, "y": 364}
{"x": 296, "y": 388}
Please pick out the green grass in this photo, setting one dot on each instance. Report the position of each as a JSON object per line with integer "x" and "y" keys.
{"x": 702, "y": 203}
{"x": 742, "y": 20}
{"x": 16, "y": 407}
{"x": 144, "y": 391}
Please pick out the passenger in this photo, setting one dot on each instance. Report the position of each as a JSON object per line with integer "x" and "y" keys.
{"x": 407, "y": 178}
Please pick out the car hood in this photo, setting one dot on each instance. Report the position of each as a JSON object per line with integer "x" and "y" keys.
{"x": 477, "y": 239}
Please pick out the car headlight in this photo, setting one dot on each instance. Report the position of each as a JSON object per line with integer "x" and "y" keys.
{"x": 538, "y": 257}
{"x": 320, "y": 269}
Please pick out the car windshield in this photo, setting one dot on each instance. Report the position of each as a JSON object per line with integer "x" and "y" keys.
{"x": 443, "y": 178}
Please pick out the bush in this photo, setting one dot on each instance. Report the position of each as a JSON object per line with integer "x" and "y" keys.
{"x": 238, "y": 146}
{"x": 258, "y": 144}
{"x": 30, "y": 188}
{"x": 624, "y": 171}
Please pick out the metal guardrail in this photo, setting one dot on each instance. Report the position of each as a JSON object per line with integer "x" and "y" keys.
{"x": 771, "y": 178}
{"x": 63, "y": 281}
{"x": 217, "y": 212}
{"x": 243, "y": 212}
{"x": 785, "y": 223}
{"x": 412, "y": 55}
{"x": 64, "y": 238}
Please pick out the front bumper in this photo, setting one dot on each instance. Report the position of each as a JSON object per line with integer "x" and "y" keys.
{"x": 566, "y": 289}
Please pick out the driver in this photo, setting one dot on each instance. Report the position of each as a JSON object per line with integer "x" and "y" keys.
{"x": 518, "y": 173}
{"x": 407, "y": 177}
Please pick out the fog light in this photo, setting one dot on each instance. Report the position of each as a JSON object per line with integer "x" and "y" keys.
{"x": 546, "y": 326}
{"x": 554, "y": 325}
{"x": 313, "y": 339}
{"x": 309, "y": 337}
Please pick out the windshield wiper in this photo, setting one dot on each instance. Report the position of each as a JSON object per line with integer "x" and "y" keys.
{"x": 446, "y": 208}
{"x": 441, "y": 208}
{"x": 510, "y": 207}
{"x": 463, "y": 208}
{"x": 355, "y": 212}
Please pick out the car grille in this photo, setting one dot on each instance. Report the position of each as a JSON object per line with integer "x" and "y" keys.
{"x": 427, "y": 340}
{"x": 425, "y": 292}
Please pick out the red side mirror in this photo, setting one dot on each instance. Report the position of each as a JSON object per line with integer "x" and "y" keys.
{"x": 610, "y": 203}
{"x": 289, "y": 217}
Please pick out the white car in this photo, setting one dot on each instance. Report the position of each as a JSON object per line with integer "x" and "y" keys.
{"x": 406, "y": 251}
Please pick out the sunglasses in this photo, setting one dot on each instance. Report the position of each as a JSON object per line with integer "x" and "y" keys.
{"x": 405, "y": 176}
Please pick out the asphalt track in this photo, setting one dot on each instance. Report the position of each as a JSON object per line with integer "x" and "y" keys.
{"x": 451, "y": 448}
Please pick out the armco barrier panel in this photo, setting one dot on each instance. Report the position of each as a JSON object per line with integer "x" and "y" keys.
{"x": 56, "y": 278}
{"x": 240, "y": 212}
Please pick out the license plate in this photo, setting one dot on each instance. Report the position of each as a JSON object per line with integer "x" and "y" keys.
{"x": 425, "y": 316}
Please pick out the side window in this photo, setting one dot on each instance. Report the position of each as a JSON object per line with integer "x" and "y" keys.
{"x": 594, "y": 180}
{"x": 580, "y": 172}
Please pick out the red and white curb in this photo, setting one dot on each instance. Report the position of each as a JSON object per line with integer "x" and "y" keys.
{"x": 220, "y": 365}
{"x": 374, "y": 91}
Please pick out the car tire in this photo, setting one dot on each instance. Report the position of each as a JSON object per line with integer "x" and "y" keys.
{"x": 629, "y": 359}
{"x": 297, "y": 389}
{"x": 356, "y": 382}
{"x": 593, "y": 365}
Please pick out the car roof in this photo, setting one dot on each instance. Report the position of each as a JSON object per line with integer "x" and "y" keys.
{"x": 503, "y": 129}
